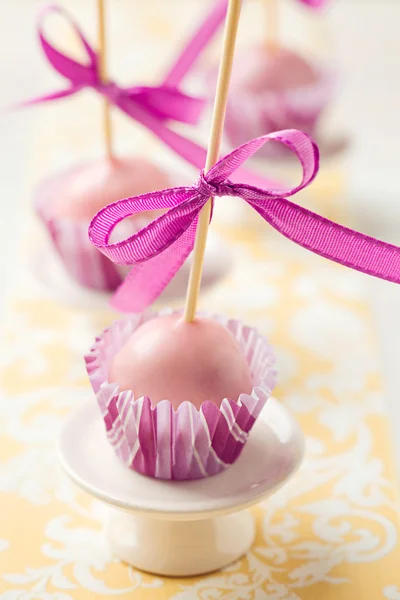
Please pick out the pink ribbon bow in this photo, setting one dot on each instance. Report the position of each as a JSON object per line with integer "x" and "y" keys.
{"x": 164, "y": 102}
{"x": 150, "y": 106}
{"x": 158, "y": 250}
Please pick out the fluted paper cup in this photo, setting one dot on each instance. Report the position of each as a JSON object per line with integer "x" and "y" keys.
{"x": 185, "y": 443}
{"x": 82, "y": 261}
{"x": 252, "y": 113}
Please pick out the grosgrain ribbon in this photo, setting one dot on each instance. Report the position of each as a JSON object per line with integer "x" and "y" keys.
{"x": 164, "y": 102}
{"x": 149, "y": 106}
{"x": 197, "y": 43}
{"x": 203, "y": 35}
{"x": 158, "y": 250}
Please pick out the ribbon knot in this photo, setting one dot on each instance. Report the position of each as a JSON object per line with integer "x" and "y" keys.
{"x": 213, "y": 189}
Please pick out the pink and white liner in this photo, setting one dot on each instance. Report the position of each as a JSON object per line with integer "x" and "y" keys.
{"x": 186, "y": 443}
{"x": 252, "y": 113}
{"x": 82, "y": 261}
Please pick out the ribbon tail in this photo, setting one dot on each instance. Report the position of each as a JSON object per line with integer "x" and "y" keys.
{"x": 185, "y": 148}
{"x": 190, "y": 151}
{"x": 331, "y": 240}
{"x": 197, "y": 44}
{"x": 47, "y": 98}
{"x": 146, "y": 281}
{"x": 168, "y": 103}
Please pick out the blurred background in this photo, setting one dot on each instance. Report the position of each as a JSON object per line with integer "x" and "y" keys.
{"x": 359, "y": 37}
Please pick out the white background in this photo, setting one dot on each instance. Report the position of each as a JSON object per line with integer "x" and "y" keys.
{"x": 366, "y": 47}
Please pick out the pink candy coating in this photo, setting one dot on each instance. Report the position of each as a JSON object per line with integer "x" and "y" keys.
{"x": 280, "y": 70}
{"x": 169, "y": 359}
{"x": 93, "y": 185}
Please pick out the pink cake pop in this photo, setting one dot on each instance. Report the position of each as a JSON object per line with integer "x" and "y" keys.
{"x": 93, "y": 185}
{"x": 169, "y": 358}
{"x": 277, "y": 70}
{"x": 180, "y": 441}
{"x": 275, "y": 89}
{"x": 189, "y": 358}
{"x": 66, "y": 202}
{"x": 180, "y": 393}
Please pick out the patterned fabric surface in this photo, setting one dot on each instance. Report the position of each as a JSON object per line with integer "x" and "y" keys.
{"x": 333, "y": 532}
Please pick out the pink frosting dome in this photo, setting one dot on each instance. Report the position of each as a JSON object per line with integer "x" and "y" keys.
{"x": 280, "y": 70}
{"x": 169, "y": 359}
{"x": 91, "y": 186}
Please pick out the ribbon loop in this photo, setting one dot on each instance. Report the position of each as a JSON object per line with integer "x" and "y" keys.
{"x": 69, "y": 68}
{"x": 301, "y": 145}
{"x": 183, "y": 203}
{"x": 158, "y": 250}
{"x": 209, "y": 189}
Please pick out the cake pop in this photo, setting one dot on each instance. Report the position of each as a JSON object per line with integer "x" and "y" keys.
{"x": 189, "y": 358}
{"x": 66, "y": 201}
{"x": 180, "y": 392}
{"x": 275, "y": 91}
{"x": 93, "y": 185}
{"x": 275, "y": 88}
{"x": 193, "y": 433}
{"x": 185, "y": 441}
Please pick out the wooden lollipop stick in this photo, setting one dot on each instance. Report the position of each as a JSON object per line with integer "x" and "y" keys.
{"x": 214, "y": 146}
{"x": 103, "y": 75}
{"x": 272, "y": 24}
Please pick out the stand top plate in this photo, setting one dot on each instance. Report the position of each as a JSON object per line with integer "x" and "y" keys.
{"x": 272, "y": 454}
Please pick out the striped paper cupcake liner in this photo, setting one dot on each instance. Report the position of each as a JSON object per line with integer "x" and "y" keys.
{"x": 82, "y": 261}
{"x": 251, "y": 114}
{"x": 186, "y": 443}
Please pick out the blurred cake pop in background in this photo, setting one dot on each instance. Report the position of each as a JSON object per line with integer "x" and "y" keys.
{"x": 284, "y": 77}
{"x": 91, "y": 186}
{"x": 275, "y": 87}
{"x": 273, "y": 91}
{"x": 66, "y": 201}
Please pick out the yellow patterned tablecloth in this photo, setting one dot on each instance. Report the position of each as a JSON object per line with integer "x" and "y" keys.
{"x": 332, "y": 533}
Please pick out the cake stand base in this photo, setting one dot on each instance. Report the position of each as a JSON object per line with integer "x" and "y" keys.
{"x": 180, "y": 548}
{"x": 182, "y": 528}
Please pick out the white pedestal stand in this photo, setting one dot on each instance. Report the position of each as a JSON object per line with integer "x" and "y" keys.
{"x": 182, "y": 528}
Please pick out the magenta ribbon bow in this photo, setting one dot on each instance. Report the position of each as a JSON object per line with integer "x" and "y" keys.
{"x": 150, "y": 106}
{"x": 158, "y": 250}
{"x": 164, "y": 102}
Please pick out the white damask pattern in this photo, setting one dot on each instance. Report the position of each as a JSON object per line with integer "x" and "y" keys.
{"x": 391, "y": 592}
{"x": 349, "y": 526}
